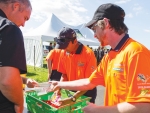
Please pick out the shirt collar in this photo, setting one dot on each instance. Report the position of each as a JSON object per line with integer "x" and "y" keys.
{"x": 121, "y": 43}
{"x": 79, "y": 49}
{"x": 2, "y": 14}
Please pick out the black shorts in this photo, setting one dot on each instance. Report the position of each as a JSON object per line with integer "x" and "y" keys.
{"x": 92, "y": 93}
{"x": 55, "y": 75}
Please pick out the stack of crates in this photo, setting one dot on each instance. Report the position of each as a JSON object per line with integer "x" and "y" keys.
{"x": 36, "y": 104}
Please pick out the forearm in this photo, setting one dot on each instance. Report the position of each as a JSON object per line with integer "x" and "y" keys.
{"x": 124, "y": 108}
{"x": 13, "y": 93}
{"x": 11, "y": 85}
{"x": 49, "y": 65}
{"x": 79, "y": 93}
{"x": 133, "y": 107}
{"x": 81, "y": 85}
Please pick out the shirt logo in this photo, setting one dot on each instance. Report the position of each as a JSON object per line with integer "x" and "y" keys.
{"x": 143, "y": 78}
{"x": 144, "y": 92}
{"x": 80, "y": 64}
{"x": 118, "y": 69}
{"x": 92, "y": 68}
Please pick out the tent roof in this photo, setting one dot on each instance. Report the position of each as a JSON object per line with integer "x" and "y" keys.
{"x": 49, "y": 29}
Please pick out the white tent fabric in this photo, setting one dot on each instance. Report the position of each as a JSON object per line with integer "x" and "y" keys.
{"x": 46, "y": 32}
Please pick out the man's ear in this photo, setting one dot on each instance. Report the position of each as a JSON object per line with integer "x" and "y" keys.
{"x": 74, "y": 41}
{"x": 106, "y": 22}
{"x": 16, "y": 6}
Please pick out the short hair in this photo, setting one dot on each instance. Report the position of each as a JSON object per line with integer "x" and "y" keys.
{"x": 24, "y": 2}
{"x": 119, "y": 26}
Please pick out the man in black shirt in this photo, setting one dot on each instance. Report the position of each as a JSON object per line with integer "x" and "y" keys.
{"x": 13, "y": 14}
{"x": 100, "y": 54}
{"x": 50, "y": 46}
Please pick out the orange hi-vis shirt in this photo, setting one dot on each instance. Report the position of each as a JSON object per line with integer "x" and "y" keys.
{"x": 79, "y": 65}
{"x": 125, "y": 73}
{"x": 54, "y": 56}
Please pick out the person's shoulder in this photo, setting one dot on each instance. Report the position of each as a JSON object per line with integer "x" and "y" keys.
{"x": 88, "y": 51}
{"x": 135, "y": 47}
{"x": 4, "y": 22}
{"x": 8, "y": 26}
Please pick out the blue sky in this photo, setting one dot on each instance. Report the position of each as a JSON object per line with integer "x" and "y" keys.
{"x": 75, "y": 12}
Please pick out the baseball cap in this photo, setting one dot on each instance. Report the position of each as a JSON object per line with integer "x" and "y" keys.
{"x": 65, "y": 35}
{"x": 109, "y": 10}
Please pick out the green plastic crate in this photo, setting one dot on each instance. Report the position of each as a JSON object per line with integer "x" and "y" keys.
{"x": 36, "y": 105}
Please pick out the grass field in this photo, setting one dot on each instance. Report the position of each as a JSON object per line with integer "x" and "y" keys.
{"x": 38, "y": 74}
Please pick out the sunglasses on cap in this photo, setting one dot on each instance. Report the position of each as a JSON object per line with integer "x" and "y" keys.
{"x": 63, "y": 40}
{"x": 93, "y": 27}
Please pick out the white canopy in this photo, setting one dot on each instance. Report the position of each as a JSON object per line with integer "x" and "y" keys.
{"x": 46, "y": 32}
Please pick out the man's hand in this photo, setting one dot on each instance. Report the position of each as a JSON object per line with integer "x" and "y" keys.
{"x": 54, "y": 85}
{"x": 66, "y": 101}
{"x": 31, "y": 83}
{"x": 18, "y": 109}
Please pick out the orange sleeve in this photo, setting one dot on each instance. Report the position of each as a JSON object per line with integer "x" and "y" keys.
{"x": 91, "y": 65}
{"x": 50, "y": 55}
{"x": 138, "y": 78}
{"x": 97, "y": 77}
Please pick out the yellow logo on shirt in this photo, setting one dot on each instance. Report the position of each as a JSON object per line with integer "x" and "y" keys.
{"x": 144, "y": 92}
{"x": 80, "y": 63}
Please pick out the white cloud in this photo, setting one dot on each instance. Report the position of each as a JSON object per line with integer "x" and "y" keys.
{"x": 122, "y": 1}
{"x": 137, "y": 9}
{"x": 147, "y": 30}
{"x": 130, "y": 15}
{"x": 68, "y": 11}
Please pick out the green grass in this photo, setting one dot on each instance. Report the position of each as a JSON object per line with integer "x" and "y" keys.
{"x": 38, "y": 74}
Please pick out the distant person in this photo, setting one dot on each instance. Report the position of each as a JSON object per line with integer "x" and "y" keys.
{"x": 91, "y": 48}
{"x": 50, "y": 46}
{"x": 53, "y": 63}
{"x": 78, "y": 61}
{"x": 100, "y": 54}
{"x": 54, "y": 44}
{"x": 124, "y": 71}
{"x": 95, "y": 52}
{"x": 13, "y": 14}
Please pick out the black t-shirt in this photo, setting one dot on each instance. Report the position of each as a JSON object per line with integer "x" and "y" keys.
{"x": 12, "y": 52}
{"x": 50, "y": 48}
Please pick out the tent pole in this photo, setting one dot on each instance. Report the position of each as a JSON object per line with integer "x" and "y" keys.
{"x": 34, "y": 57}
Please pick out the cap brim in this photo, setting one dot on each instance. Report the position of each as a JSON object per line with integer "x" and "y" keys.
{"x": 90, "y": 23}
{"x": 61, "y": 46}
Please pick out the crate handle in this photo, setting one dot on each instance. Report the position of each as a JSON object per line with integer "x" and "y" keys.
{"x": 39, "y": 105}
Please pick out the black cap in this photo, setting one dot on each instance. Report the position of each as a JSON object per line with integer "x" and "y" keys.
{"x": 109, "y": 10}
{"x": 65, "y": 35}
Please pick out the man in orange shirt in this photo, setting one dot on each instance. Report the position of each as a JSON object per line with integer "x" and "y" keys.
{"x": 77, "y": 62}
{"x": 123, "y": 71}
{"x": 52, "y": 64}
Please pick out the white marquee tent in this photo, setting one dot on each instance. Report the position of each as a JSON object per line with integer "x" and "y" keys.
{"x": 46, "y": 32}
